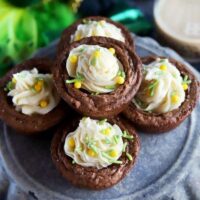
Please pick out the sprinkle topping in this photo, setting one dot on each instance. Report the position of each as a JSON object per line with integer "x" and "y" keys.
{"x": 96, "y": 143}
{"x": 98, "y": 70}
{"x": 162, "y": 89}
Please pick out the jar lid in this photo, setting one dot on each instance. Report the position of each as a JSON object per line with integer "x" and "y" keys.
{"x": 178, "y": 21}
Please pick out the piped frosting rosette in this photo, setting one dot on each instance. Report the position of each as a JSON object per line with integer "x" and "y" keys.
{"x": 95, "y": 143}
{"x": 32, "y": 92}
{"x": 96, "y": 68}
{"x": 97, "y": 28}
{"x": 167, "y": 95}
{"x": 162, "y": 88}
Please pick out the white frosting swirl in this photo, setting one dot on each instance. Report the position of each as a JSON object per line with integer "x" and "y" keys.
{"x": 99, "y": 73}
{"x": 26, "y": 99}
{"x": 90, "y": 145}
{"x": 97, "y": 28}
{"x": 161, "y": 90}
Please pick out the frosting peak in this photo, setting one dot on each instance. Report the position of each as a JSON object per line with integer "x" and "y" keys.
{"x": 97, "y": 28}
{"x": 33, "y": 93}
{"x": 96, "y": 67}
{"x": 94, "y": 143}
{"x": 162, "y": 88}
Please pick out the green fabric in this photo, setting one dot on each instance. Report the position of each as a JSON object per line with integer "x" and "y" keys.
{"x": 132, "y": 18}
{"x": 23, "y": 30}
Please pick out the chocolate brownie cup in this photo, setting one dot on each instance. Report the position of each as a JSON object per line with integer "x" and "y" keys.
{"x": 94, "y": 26}
{"x": 95, "y": 154}
{"x": 29, "y": 101}
{"x": 167, "y": 95}
{"x": 98, "y": 76}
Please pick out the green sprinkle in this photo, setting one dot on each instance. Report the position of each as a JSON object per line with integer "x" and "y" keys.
{"x": 93, "y": 61}
{"x": 152, "y": 87}
{"x": 79, "y": 77}
{"x": 82, "y": 50}
{"x": 117, "y": 162}
{"x": 140, "y": 103}
{"x": 129, "y": 156}
{"x": 116, "y": 138}
{"x": 110, "y": 87}
{"x": 121, "y": 73}
{"x": 124, "y": 146}
{"x": 9, "y": 86}
{"x": 127, "y": 135}
{"x": 186, "y": 80}
{"x": 162, "y": 60}
{"x": 95, "y": 93}
{"x": 101, "y": 122}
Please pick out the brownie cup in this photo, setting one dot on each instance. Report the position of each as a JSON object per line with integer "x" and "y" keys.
{"x": 23, "y": 123}
{"x": 114, "y": 62}
{"x": 155, "y": 122}
{"x": 67, "y": 35}
{"x": 88, "y": 176}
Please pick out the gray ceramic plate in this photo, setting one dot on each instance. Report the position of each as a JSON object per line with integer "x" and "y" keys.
{"x": 163, "y": 160}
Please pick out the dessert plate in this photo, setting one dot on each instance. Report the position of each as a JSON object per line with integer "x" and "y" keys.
{"x": 163, "y": 161}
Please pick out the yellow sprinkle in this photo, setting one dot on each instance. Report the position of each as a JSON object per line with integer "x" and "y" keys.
{"x": 91, "y": 153}
{"x": 119, "y": 80}
{"x": 113, "y": 153}
{"x": 106, "y": 131}
{"x": 71, "y": 143}
{"x": 73, "y": 59}
{"x": 112, "y": 50}
{"x": 102, "y": 22}
{"x": 77, "y": 84}
{"x": 37, "y": 87}
{"x": 14, "y": 80}
{"x": 43, "y": 103}
{"x": 77, "y": 37}
{"x": 40, "y": 82}
{"x": 185, "y": 86}
{"x": 163, "y": 67}
{"x": 97, "y": 54}
{"x": 174, "y": 98}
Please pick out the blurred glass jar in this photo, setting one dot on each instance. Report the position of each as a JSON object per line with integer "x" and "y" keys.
{"x": 178, "y": 26}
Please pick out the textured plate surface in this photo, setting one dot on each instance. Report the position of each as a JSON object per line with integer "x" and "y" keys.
{"x": 163, "y": 160}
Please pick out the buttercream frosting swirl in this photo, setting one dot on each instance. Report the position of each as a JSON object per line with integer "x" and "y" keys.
{"x": 162, "y": 88}
{"x": 94, "y": 143}
{"x": 97, "y": 28}
{"x": 33, "y": 93}
{"x": 96, "y": 67}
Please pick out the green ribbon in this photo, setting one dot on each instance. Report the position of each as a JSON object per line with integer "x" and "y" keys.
{"x": 132, "y": 18}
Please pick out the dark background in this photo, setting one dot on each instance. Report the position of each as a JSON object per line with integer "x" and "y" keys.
{"x": 104, "y": 7}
